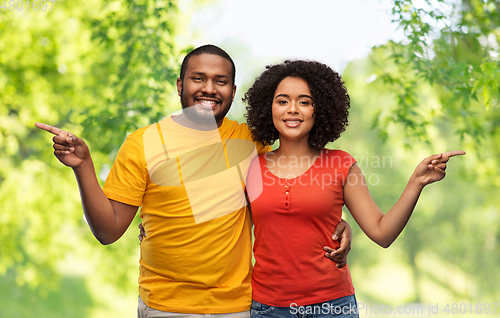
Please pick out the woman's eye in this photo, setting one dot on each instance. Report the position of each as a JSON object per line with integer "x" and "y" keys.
{"x": 282, "y": 102}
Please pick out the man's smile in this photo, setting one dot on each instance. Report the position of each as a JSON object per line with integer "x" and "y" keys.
{"x": 208, "y": 103}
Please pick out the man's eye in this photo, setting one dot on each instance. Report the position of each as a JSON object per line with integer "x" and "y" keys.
{"x": 197, "y": 78}
{"x": 221, "y": 82}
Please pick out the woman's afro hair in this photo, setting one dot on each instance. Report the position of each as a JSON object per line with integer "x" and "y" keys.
{"x": 330, "y": 100}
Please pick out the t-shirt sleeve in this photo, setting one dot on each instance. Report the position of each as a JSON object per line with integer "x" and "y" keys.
{"x": 126, "y": 182}
{"x": 261, "y": 149}
{"x": 254, "y": 182}
{"x": 346, "y": 162}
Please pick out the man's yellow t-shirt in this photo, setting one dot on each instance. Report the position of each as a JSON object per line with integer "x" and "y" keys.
{"x": 196, "y": 257}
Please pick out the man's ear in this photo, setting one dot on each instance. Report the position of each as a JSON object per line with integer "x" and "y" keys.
{"x": 234, "y": 93}
{"x": 179, "y": 86}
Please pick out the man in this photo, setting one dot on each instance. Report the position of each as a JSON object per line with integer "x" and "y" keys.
{"x": 187, "y": 172}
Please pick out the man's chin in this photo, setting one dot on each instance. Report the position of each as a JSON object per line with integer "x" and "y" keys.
{"x": 201, "y": 115}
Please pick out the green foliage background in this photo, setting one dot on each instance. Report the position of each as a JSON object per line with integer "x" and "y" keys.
{"x": 101, "y": 69}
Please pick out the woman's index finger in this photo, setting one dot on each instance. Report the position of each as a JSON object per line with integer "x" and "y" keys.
{"x": 453, "y": 153}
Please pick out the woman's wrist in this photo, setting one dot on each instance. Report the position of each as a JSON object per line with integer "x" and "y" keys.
{"x": 415, "y": 183}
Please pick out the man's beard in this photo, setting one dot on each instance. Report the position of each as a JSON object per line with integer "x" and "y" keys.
{"x": 204, "y": 117}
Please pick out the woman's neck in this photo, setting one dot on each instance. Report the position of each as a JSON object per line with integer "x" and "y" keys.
{"x": 295, "y": 148}
{"x": 291, "y": 159}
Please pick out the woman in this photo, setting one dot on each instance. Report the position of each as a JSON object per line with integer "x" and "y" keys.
{"x": 298, "y": 190}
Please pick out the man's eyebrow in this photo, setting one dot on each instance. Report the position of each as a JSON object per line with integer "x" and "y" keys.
{"x": 205, "y": 74}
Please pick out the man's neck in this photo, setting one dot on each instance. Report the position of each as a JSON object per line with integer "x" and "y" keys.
{"x": 185, "y": 121}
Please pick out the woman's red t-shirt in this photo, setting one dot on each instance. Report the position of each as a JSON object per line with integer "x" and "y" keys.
{"x": 293, "y": 220}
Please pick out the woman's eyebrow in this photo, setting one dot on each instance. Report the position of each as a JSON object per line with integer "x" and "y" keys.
{"x": 286, "y": 95}
{"x": 281, "y": 95}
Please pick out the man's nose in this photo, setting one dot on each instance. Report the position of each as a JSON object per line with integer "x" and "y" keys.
{"x": 209, "y": 88}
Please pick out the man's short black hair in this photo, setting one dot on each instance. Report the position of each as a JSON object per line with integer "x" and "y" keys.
{"x": 206, "y": 49}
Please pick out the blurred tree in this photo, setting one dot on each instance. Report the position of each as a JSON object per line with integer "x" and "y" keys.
{"x": 439, "y": 87}
{"x": 99, "y": 69}
{"x": 139, "y": 65}
{"x": 450, "y": 245}
{"x": 454, "y": 46}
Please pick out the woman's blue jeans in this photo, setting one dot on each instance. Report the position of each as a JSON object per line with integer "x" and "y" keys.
{"x": 345, "y": 307}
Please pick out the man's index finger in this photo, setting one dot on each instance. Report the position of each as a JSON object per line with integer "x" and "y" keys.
{"x": 52, "y": 129}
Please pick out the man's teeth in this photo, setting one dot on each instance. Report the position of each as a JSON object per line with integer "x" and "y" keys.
{"x": 207, "y": 101}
